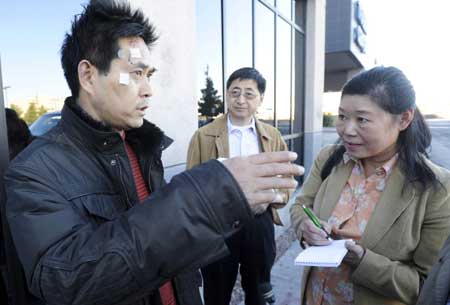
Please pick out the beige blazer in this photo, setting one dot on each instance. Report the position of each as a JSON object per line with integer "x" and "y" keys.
{"x": 211, "y": 142}
{"x": 402, "y": 238}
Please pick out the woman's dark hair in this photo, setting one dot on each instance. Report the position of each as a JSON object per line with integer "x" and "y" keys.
{"x": 19, "y": 135}
{"x": 94, "y": 36}
{"x": 389, "y": 88}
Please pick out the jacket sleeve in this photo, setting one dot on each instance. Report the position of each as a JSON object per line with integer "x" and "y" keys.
{"x": 193, "y": 154}
{"x": 402, "y": 280}
{"x": 309, "y": 190}
{"x": 68, "y": 260}
{"x": 436, "y": 287}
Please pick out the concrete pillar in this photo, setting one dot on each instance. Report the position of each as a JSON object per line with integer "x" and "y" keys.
{"x": 314, "y": 78}
{"x": 173, "y": 106}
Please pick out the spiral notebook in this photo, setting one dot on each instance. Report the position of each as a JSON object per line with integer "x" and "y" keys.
{"x": 323, "y": 256}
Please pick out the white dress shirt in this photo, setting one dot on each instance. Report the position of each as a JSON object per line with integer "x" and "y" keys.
{"x": 242, "y": 140}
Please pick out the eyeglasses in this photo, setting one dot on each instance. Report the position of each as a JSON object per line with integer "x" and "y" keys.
{"x": 247, "y": 95}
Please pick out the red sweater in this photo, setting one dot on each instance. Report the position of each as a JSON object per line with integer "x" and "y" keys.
{"x": 166, "y": 290}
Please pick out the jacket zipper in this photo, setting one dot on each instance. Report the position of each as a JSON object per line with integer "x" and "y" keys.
{"x": 149, "y": 184}
{"x": 122, "y": 182}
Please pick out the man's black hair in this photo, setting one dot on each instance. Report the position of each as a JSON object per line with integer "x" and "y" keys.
{"x": 94, "y": 37}
{"x": 19, "y": 135}
{"x": 248, "y": 73}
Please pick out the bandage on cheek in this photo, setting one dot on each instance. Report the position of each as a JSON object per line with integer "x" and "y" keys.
{"x": 124, "y": 79}
{"x": 131, "y": 55}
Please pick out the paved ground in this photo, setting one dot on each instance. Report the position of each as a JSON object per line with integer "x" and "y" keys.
{"x": 286, "y": 276}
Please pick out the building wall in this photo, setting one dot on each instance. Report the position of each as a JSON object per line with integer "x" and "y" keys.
{"x": 314, "y": 80}
{"x": 338, "y": 25}
{"x": 346, "y": 48}
{"x": 173, "y": 106}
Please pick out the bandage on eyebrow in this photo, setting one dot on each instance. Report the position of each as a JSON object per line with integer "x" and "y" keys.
{"x": 124, "y": 79}
{"x": 123, "y": 54}
{"x": 135, "y": 53}
{"x": 130, "y": 54}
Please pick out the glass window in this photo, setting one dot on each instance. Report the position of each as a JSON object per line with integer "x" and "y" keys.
{"x": 238, "y": 35}
{"x": 283, "y": 77}
{"x": 297, "y": 145}
{"x": 285, "y": 8}
{"x": 298, "y": 81}
{"x": 264, "y": 58}
{"x": 300, "y": 13}
{"x": 271, "y": 2}
{"x": 209, "y": 57}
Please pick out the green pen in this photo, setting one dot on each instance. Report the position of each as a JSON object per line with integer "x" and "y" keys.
{"x": 315, "y": 220}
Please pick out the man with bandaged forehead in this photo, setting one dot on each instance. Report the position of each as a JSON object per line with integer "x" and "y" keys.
{"x": 91, "y": 217}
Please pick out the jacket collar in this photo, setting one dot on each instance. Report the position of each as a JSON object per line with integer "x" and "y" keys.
{"x": 219, "y": 129}
{"x": 231, "y": 127}
{"x": 386, "y": 211}
{"x": 219, "y": 125}
{"x": 93, "y": 134}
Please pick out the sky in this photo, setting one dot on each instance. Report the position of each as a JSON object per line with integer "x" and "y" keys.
{"x": 413, "y": 36}
{"x": 409, "y": 34}
{"x": 31, "y": 33}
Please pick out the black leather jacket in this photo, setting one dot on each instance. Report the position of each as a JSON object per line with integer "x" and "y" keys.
{"x": 80, "y": 234}
{"x": 436, "y": 288}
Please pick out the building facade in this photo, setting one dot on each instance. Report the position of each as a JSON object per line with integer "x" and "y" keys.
{"x": 283, "y": 39}
{"x": 346, "y": 48}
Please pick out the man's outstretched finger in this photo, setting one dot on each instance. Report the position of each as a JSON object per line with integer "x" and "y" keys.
{"x": 271, "y": 157}
{"x": 270, "y": 183}
{"x": 274, "y": 169}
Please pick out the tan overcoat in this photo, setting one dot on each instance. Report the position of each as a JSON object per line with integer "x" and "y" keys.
{"x": 211, "y": 142}
{"x": 402, "y": 238}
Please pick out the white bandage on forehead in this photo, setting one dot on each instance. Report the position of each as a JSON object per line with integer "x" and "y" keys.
{"x": 129, "y": 54}
{"x": 124, "y": 79}
{"x": 122, "y": 54}
{"x": 135, "y": 53}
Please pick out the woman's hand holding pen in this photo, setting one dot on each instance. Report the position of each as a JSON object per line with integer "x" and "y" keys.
{"x": 314, "y": 236}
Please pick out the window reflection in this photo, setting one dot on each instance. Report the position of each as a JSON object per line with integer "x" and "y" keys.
{"x": 298, "y": 82}
{"x": 209, "y": 57}
{"x": 278, "y": 56}
{"x": 238, "y": 35}
{"x": 300, "y": 13}
{"x": 264, "y": 58}
{"x": 283, "y": 74}
{"x": 271, "y": 2}
{"x": 285, "y": 8}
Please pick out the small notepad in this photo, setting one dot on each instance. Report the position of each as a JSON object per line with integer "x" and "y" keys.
{"x": 323, "y": 256}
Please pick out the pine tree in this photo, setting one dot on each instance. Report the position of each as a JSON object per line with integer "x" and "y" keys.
{"x": 17, "y": 109}
{"x": 210, "y": 104}
{"x": 32, "y": 113}
{"x": 42, "y": 110}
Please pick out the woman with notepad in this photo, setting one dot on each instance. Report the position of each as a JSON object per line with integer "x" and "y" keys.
{"x": 378, "y": 188}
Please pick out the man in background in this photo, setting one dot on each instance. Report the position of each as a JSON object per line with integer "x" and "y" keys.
{"x": 240, "y": 133}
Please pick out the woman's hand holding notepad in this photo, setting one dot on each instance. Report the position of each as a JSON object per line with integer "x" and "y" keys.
{"x": 323, "y": 256}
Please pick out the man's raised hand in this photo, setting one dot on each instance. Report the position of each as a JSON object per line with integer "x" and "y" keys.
{"x": 258, "y": 175}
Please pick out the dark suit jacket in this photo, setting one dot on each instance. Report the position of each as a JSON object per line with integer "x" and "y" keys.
{"x": 436, "y": 288}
